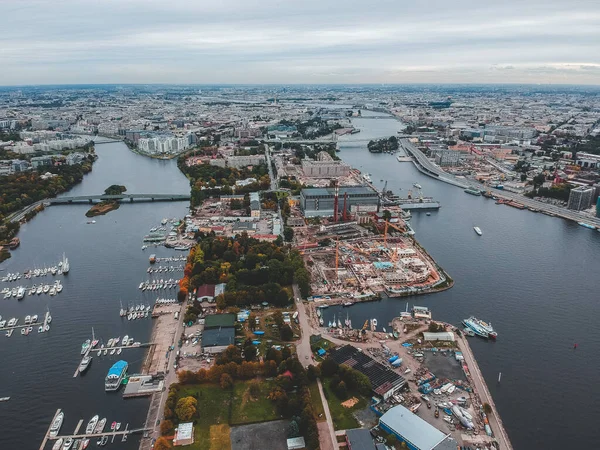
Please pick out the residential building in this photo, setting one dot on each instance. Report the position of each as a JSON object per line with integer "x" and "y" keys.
{"x": 581, "y": 198}
{"x": 444, "y": 158}
{"x": 208, "y": 292}
{"x": 414, "y": 431}
{"x": 254, "y": 204}
{"x": 40, "y": 161}
{"x": 239, "y": 162}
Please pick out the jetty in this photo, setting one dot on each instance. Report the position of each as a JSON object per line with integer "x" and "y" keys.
{"x": 76, "y": 435}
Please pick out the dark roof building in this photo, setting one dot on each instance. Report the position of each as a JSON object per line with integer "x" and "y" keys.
{"x": 216, "y": 340}
{"x": 383, "y": 379}
{"x": 359, "y": 439}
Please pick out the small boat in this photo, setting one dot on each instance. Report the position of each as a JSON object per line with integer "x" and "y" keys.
{"x": 130, "y": 341}
{"x": 84, "y": 444}
{"x": 105, "y": 352}
{"x": 117, "y": 426}
{"x": 102, "y": 442}
{"x": 119, "y": 350}
{"x": 94, "y": 343}
{"x": 34, "y": 318}
{"x": 100, "y": 426}
{"x": 112, "y": 351}
{"x": 478, "y": 231}
{"x": 85, "y": 363}
{"x": 77, "y": 444}
{"x": 124, "y": 341}
{"x": 91, "y": 426}
{"x": 110, "y": 341}
{"x": 417, "y": 185}
{"x": 85, "y": 346}
{"x": 58, "y": 444}
{"x": 55, "y": 428}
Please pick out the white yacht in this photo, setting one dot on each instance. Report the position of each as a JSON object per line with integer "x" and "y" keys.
{"x": 20, "y": 293}
{"x": 58, "y": 421}
{"x": 65, "y": 265}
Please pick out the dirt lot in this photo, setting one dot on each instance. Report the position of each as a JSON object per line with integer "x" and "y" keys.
{"x": 163, "y": 335}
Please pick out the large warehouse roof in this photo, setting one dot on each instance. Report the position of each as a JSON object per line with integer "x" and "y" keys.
{"x": 415, "y": 430}
{"x": 342, "y": 189}
{"x": 218, "y": 337}
{"x": 382, "y": 378}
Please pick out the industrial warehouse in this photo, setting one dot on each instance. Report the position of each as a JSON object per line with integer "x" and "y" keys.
{"x": 384, "y": 381}
{"x": 414, "y": 431}
{"x": 322, "y": 202}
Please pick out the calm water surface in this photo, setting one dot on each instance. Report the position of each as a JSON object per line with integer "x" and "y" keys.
{"x": 533, "y": 276}
{"x": 107, "y": 265}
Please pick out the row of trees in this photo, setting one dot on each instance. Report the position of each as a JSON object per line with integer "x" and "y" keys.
{"x": 344, "y": 379}
{"x": 254, "y": 271}
{"x": 383, "y": 145}
{"x": 24, "y": 188}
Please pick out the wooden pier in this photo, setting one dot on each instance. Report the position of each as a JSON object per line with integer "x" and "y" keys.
{"x": 76, "y": 435}
{"x": 32, "y": 325}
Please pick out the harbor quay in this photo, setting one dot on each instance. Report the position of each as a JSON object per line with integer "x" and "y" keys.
{"x": 443, "y": 383}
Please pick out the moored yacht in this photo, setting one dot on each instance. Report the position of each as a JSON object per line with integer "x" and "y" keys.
{"x": 85, "y": 346}
{"x": 91, "y": 425}
{"x": 85, "y": 363}
{"x": 58, "y": 421}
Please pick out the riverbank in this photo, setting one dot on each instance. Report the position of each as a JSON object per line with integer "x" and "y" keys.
{"x": 137, "y": 151}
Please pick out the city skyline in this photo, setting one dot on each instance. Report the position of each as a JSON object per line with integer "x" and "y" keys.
{"x": 267, "y": 43}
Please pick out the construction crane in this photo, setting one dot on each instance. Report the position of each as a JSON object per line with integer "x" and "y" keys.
{"x": 385, "y": 230}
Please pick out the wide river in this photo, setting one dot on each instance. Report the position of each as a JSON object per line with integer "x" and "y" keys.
{"x": 531, "y": 275}
{"x": 107, "y": 265}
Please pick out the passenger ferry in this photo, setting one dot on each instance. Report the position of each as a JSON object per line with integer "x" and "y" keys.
{"x": 115, "y": 376}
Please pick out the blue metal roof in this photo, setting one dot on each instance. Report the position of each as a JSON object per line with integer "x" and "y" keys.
{"x": 117, "y": 368}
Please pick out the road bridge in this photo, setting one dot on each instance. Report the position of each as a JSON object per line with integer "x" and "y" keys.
{"x": 428, "y": 168}
{"x": 123, "y": 198}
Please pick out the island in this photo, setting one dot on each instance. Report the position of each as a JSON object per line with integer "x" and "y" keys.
{"x": 106, "y": 206}
{"x": 383, "y": 145}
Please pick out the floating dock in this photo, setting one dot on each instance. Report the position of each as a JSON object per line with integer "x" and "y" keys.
{"x": 93, "y": 352}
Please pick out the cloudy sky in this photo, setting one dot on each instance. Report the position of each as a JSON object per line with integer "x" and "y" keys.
{"x": 301, "y": 41}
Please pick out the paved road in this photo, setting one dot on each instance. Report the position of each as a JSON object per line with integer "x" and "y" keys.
{"x": 445, "y": 177}
{"x": 484, "y": 395}
{"x": 305, "y": 356}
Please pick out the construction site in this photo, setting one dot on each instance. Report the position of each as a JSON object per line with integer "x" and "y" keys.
{"x": 359, "y": 253}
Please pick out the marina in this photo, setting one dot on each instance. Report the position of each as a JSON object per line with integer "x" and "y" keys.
{"x": 30, "y": 323}
{"x": 98, "y": 432}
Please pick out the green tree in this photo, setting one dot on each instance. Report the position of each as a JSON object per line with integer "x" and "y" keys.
{"x": 329, "y": 367}
{"x": 313, "y": 372}
{"x": 293, "y": 429}
{"x": 341, "y": 390}
{"x": 387, "y": 215}
{"x": 288, "y": 234}
{"x": 186, "y": 408}
{"x": 286, "y": 333}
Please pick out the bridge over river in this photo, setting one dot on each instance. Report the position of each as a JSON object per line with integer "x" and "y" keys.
{"x": 123, "y": 198}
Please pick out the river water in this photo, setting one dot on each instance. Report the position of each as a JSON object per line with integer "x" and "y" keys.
{"x": 107, "y": 265}
{"x": 531, "y": 275}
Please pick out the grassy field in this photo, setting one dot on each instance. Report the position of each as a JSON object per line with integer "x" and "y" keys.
{"x": 315, "y": 397}
{"x": 342, "y": 417}
{"x": 218, "y": 409}
{"x": 247, "y": 409}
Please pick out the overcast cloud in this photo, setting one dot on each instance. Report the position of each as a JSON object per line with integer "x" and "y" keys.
{"x": 305, "y": 41}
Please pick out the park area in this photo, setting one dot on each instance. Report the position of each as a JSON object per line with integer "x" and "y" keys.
{"x": 343, "y": 411}
{"x": 218, "y": 409}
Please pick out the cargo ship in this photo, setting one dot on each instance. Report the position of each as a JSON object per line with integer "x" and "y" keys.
{"x": 472, "y": 191}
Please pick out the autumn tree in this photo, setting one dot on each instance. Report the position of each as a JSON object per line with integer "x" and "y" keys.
{"x": 226, "y": 381}
{"x": 162, "y": 443}
{"x": 167, "y": 428}
{"x": 186, "y": 408}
